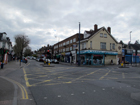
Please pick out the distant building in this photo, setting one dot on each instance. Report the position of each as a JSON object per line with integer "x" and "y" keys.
{"x": 65, "y": 50}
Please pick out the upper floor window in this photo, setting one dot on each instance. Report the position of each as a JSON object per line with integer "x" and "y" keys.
{"x": 101, "y": 34}
{"x": 71, "y": 41}
{"x": 70, "y": 48}
{"x": 67, "y": 42}
{"x": 110, "y": 46}
{"x": 113, "y": 46}
{"x": 67, "y": 49}
{"x": 63, "y": 43}
{"x": 74, "y": 40}
{"x": 85, "y": 45}
{"x": 90, "y": 44}
{"x": 64, "y": 50}
{"x": 105, "y": 35}
{"x": 82, "y": 45}
{"x": 102, "y": 45}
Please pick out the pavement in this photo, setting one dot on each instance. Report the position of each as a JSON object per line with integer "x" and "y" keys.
{"x": 8, "y": 89}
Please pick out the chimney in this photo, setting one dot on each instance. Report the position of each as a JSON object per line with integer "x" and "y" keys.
{"x": 109, "y": 29}
{"x": 95, "y": 27}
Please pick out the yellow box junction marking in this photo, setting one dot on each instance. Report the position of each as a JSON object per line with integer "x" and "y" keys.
{"x": 26, "y": 79}
{"x": 123, "y": 75}
{"x": 104, "y": 75}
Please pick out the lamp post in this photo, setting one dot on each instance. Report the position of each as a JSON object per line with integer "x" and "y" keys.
{"x": 129, "y": 46}
{"x": 58, "y": 46}
{"x": 79, "y": 46}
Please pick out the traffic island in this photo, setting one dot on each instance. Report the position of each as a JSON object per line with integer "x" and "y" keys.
{"x": 123, "y": 66}
{"x": 46, "y": 65}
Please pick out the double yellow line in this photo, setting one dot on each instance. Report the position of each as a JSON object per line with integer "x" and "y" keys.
{"x": 23, "y": 90}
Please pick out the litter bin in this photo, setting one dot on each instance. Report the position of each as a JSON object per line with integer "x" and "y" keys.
{"x": 2, "y": 64}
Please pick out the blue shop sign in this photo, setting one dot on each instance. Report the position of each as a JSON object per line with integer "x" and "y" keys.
{"x": 97, "y": 52}
{"x": 68, "y": 53}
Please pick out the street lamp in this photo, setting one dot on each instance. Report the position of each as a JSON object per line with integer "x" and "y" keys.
{"x": 129, "y": 47}
{"x": 58, "y": 46}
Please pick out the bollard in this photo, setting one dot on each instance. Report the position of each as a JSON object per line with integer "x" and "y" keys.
{"x": 121, "y": 64}
{"x": 48, "y": 62}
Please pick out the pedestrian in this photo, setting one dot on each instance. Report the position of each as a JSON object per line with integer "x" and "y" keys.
{"x": 119, "y": 61}
{"x": 25, "y": 60}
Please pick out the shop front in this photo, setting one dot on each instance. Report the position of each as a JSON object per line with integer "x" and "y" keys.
{"x": 62, "y": 57}
{"x": 94, "y": 57}
{"x": 67, "y": 57}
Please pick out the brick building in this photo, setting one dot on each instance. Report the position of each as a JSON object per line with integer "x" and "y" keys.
{"x": 65, "y": 50}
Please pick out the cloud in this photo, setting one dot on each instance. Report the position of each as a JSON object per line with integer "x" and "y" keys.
{"x": 42, "y": 20}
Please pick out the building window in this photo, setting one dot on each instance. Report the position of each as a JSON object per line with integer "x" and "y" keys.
{"x": 63, "y": 43}
{"x": 74, "y": 40}
{"x": 82, "y": 45}
{"x": 70, "y": 48}
{"x": 105, "y": 35}
{"x": 101, "y": 34}
{"x": 71, "y": 41}
{"x": 103, "y": 45}
{"x": 90, "y": 44}
{"x": 67, "y": 49}
{"x": 67, "y": 42}
{"x": 110, "y": 46}
{"x": 63, "y": 50}
{"x": 113, "y": 46}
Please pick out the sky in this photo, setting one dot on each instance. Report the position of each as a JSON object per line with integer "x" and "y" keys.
{"x": 49, "y": 21}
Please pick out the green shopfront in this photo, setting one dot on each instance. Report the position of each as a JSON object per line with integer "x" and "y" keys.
{"x": 95, "y": 57}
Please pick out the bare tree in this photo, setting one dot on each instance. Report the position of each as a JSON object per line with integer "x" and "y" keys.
{"x": 137, "y": 42}
{"x": 21, "y": 42}
{"x": 28, "y": 52}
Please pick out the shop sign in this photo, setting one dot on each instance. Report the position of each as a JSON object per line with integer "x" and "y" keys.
{"x": 74, "y": 45}
{"x": 62, "y": 53}
{"x": 97, "y": 52}
{"x": 73, "y": 52}
{"x": 68, "y": 53}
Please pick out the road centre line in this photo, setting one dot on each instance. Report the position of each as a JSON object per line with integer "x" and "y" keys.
{"x": 104, "y": 75}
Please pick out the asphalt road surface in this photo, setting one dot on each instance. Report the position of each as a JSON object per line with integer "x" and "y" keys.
{"x": 70, "y": 85}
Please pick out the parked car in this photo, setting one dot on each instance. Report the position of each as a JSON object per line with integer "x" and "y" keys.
{"x": 34, "y": 58}
{"x": 39, "y": 59}
{"x": 56, "y": 61}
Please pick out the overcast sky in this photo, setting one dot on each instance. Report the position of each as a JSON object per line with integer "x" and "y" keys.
{"x": 42, "y": 20}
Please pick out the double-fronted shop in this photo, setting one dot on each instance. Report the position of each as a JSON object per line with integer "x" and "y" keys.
{"x": 95, "y": 57}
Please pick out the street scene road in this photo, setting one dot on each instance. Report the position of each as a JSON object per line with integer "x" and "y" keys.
{"x": 72, "y": 85}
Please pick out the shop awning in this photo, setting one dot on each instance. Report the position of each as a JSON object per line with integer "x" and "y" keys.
{"x": 97, "y": 52}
